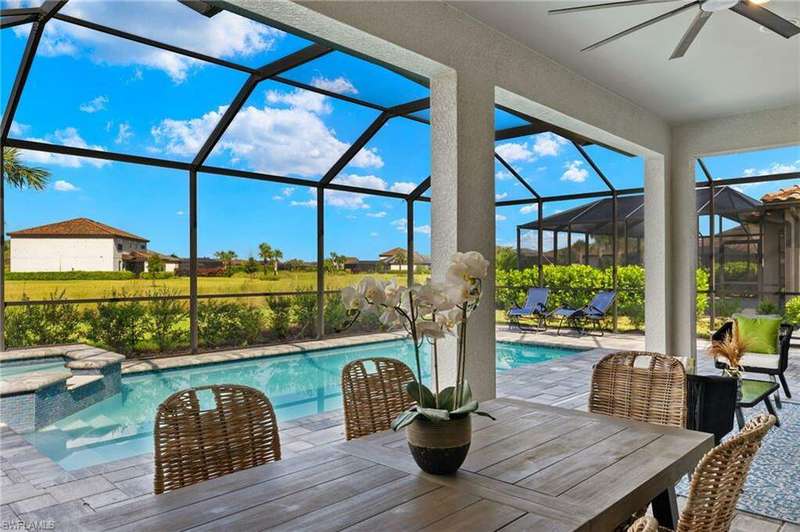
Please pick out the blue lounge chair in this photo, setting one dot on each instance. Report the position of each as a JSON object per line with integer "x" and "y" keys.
{"x": 594, "y": 312}
{"x": 535, "y": 307}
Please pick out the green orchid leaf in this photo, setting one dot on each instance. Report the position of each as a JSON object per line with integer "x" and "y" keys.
{"x": 421, "y": 394}
{"x": 434, "y": 414}
{"x": 485, "y": 414}
{"x": 466, "y": 408}
{"x": 466, "y": 393}
{"x": 446, "y": 398}
{"x": 404, "y": 419}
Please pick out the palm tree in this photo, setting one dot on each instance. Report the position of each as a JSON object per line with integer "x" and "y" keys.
{"x": 276, "y": 256}
{"x": 227, "y": 258}
{"x": 19, "y": 175}
{"x": 265, "y": 252}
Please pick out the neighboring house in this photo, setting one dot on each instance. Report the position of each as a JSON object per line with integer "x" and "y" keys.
{"x": 396, "y": 259}
{"x": 139, "y": 261}
{"x": 80, "y": 244}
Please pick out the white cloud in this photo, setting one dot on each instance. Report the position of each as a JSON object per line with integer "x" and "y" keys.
{"x": 374, "y": 234}
{"x": 499, "y": 218}
{"x": 528, "y": 209}
{"x": 498, "y": 197}
{"x": 285, "y": 193}
{"x": 68, "y": 136}
{"x": 347, "y": 200}
{"x": 502, "y": 175}
{"x": 548, "y": 144}
{"x": 94, "y": 105}
{"x": 574, "y": 172}
{"x": 514, "y": 151}
{"x": 774, "y": 168}
{"x": 401, "y": 224}
{"x": 226, "y": 36}
{"x": 379, "y": 214}
{"x": 403, "y": 187}
{"x": 64, "y": 186}
{"x": 301, "y": 99}
{"x": 18, "y": 128}
{"x": 180, "y": 213}
{"x": 338, "y": 85}
{"x": 283, "y": 141}
{"x": 363, "y": 181}
{"x": 124, "y": 133}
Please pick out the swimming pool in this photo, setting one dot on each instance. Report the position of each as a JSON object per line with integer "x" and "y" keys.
{"x": 298, "y": 385}
{"x": 23, "y": 367}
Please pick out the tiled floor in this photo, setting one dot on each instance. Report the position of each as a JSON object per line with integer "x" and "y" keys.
{"x": 38, "y": 492}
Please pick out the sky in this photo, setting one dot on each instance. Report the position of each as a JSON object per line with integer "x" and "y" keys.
{"x": 125, "y": 97}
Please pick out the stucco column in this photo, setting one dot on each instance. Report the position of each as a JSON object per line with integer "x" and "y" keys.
{"x": 656, "y": 252}
{"x": 462, "y": 210}
{"x": 682, "y": 288}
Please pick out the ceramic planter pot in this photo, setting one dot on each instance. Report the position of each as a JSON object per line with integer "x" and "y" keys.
{"x": 439, "y": 448}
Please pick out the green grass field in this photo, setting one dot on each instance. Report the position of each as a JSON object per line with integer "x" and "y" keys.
{"x": 284, "y": 282}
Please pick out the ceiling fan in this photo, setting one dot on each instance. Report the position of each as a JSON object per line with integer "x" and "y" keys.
{"x": 750, "y": 9}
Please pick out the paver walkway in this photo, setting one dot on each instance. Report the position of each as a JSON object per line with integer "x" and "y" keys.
{"x": 37, "y": 491}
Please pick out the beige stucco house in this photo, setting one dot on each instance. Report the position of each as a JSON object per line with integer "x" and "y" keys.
{"x": 81, "y": 244}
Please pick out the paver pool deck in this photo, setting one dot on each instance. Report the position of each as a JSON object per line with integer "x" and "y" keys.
{"x": 36, "y": 490}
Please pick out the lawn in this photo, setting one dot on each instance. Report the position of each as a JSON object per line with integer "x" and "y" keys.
{"x": 283, "y": 282}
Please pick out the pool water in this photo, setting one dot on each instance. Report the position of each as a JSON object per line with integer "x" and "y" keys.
{"x": 14, "y": 369}
{"x": 298, "y": 385}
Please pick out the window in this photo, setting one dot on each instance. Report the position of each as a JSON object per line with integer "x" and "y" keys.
{"x": 119, "y": 247}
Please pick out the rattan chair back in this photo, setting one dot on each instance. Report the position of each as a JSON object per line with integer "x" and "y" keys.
{"x": 646, "y": 523}
{"x": 651, "y": 390}
{"x": 719, "y": 477}
{"x": 373, "y": 400}
{"x": 193, "y": 445}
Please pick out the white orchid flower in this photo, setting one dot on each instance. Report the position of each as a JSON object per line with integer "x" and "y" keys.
{"x": 392, "y": 293}
{"x": 431, "y": 297}
{"x": 371, "y": 290}
{"x": 352, "y": 299}
{"x": 430, "y": 329}
{"x": 450, "y": 319}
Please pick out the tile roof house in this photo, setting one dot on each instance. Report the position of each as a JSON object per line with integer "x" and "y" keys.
{"x": 80, "y": 244}
{"x": 791, "y": 193}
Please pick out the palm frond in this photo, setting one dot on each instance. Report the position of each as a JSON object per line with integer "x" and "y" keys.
{"x": 20, "y": 175}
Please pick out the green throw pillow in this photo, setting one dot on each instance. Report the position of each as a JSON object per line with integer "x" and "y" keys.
{"x": 760, "y": 333}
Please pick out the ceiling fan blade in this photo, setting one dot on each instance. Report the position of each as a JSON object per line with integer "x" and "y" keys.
{"x": 766, "y": 18}
{"x": 644, "y": 24}
{"x": 624, "y": 3}
{"x": 691, "y": 34}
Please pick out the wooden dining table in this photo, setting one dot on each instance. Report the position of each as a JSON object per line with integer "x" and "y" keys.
{"x": 536, "y": 467}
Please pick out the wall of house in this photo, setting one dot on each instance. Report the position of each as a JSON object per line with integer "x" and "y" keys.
{"x": 62, "y": 254}
{"x": 125, "y": 245}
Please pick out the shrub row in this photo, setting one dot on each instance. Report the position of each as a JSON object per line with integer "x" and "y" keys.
{"x": 575, "y": 285}
{"x": 161, "y": 325}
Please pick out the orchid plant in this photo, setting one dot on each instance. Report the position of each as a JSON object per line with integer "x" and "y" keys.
{"x": 429, "y": 312}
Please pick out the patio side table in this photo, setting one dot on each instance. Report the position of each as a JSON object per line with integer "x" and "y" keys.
{"x": 753, "y": 392}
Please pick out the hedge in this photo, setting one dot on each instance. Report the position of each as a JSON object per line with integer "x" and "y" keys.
{"x": 575, "y": 285}
{"x": 69, "y": 276}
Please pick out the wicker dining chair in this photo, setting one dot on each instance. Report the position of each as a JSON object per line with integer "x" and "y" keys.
{"x": 373, "y": 400}
{"x": 646, "y": 523}
{"x": 719, "y": 477}
{"x": 193, "y": 445}
{"x": 641, "y": 386}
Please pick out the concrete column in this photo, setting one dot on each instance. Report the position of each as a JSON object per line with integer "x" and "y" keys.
{"x": 656, "y": 253}
{"x": 463, "y": 211}
{"x": 682, "y": 287}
